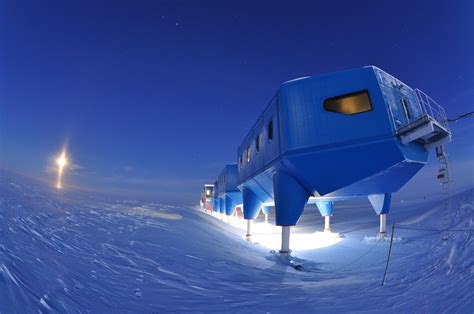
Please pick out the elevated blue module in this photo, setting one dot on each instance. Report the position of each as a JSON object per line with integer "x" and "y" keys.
{"x": 228, "y": 193}
{"x": 215, "y": 201}
{"x": 347, "y": 134}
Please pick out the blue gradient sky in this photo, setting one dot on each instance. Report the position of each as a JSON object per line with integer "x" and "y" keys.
{"x": 153, "y": 97}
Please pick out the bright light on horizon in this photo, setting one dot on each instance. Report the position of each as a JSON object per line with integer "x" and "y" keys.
{"x": 61, "y": 161}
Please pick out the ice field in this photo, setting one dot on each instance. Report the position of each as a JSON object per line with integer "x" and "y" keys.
{"x": 75, "y": 252}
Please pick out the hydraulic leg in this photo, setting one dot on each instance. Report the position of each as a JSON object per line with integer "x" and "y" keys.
{"x": 383, "y": 224}
{"x": 326, "y": 209}
{"x": 249, "y": 229}
{"x": 251, "y": 207}
{"x": 381, "y": 205}
{"x": 266, "y": 212}
{"x": 290, "y": 199}
{"x": 285, "y": 240}
{"x": 327, "y": 223}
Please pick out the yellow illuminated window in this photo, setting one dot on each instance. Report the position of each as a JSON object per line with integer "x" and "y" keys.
{"x": 248, "y": 154}
{"x": 349, "y": 103}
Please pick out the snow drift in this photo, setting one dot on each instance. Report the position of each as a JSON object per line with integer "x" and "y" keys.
{"x": 75, "y": 252}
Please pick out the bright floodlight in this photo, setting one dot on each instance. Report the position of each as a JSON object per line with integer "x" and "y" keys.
{"x": 62, "y": 162}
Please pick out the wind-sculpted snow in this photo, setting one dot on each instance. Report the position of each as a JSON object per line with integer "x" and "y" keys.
{"x": 78, "y": 252}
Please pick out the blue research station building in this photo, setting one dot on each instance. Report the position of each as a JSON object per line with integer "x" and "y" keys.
{"x": 332, "y": 137}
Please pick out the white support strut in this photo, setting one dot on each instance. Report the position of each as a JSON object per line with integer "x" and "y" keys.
{"x": 285, "y": 240}
{"x": 327, "y": 223}
{"x": 383, "y": 224}
{"x": 249, "y": 229}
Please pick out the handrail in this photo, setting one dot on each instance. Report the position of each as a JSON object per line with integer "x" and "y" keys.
{"x": 431, "y": 108}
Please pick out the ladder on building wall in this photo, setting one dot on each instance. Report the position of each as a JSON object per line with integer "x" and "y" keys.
{"x": 444, "y": 168}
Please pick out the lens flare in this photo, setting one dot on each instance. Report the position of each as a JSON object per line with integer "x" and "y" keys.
{"x": 61, "y": 161}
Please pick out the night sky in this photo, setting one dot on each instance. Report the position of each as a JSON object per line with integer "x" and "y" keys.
{"x": 152, "y": 98}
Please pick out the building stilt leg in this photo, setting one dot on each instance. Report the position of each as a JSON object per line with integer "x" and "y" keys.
{"x": 327, "y": 223}
{"x": 249, "y": 229}
{"x": 383, "y": 224}
{"x": 285, "y": 240}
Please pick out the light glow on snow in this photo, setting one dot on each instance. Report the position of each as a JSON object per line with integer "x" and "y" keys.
{"x": 61, "y": 161}
{"x": 269, "y": 236}
{"x": 299, "y": 241}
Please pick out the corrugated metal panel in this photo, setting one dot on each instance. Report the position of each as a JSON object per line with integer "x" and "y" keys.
{"x": 305, "y": 123}
{"x": 269, "y": 150}
{"x": 271, "y": 147}
{"x": 227, "y": 181}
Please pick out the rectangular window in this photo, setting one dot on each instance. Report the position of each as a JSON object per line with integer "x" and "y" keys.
{"x": 350, "y": 103}
{"x": 257, "y": 143}
{"x": 248, "y": 154}
{"x": 270, "y": 131}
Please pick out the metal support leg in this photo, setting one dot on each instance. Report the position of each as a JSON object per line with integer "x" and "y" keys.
{"x": 266, "y": 218}
{"x": 327, "y": 223}
{"x": 249, "y": 229}
{"x": 383, "y": 224}
{"x": 285, "y": 240}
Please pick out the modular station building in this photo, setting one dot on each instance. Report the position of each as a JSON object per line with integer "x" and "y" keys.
{"x": 207, "y": 197}
{"x": 228, "y": 193}
{"x": 333, "y": 137}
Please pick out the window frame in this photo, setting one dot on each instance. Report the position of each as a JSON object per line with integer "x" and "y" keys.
{"x": 365, "y": 91}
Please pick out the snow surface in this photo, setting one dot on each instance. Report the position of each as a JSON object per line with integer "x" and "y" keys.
{"x": 75, "y": 252}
